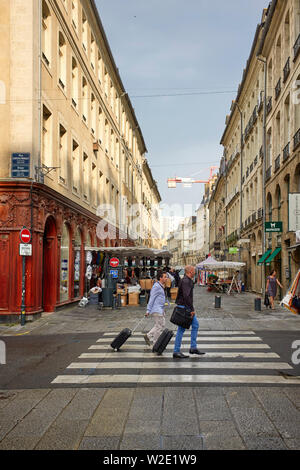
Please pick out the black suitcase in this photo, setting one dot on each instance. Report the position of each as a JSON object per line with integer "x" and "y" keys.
{"x": 121, "y": 338}
{"x": 163, "y": 341}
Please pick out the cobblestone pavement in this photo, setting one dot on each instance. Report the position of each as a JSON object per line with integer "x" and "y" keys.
{"x": 89, "y": 403}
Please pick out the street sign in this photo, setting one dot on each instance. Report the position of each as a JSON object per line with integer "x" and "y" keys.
{"x": 25, "y": 235}
{"x": 233, "y": 250}
{"x": 25, "y": 249}
{"x": 114, "y": 262}
{"x": 273, "y": 227}
{"x": 114, "y": 273}
{"x": 20, "y": 165}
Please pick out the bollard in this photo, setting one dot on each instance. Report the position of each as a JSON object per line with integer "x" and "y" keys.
{"x": 217, "y": 301}
{"x": 119, "y": 305}
{"x": 257, "y": 304}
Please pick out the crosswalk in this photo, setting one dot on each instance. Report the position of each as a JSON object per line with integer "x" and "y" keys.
{"x": 231, "y": 357}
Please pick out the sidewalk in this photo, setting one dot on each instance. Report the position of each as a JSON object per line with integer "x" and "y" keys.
{"x": 153, "y": 418}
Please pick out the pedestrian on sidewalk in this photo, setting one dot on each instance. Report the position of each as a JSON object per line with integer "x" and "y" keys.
{"x": 156, "y": 308}
{"x": 271, "y": 287}
{"x": 185, "y": 298}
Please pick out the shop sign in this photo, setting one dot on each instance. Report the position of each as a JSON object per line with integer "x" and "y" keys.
{"x": 233, "y": 250}
{"x": 25, "y": 249}
{"x": 273, "y": 227}
{"x": 114, "y": 262}
{"x": 294, "y": 212}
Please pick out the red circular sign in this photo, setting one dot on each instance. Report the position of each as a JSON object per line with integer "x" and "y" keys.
{"x": 25, "y": 235}
{"x": 114, "y": 262}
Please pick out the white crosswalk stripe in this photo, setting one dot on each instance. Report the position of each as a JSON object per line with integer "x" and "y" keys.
{"x": 241, "y": 352}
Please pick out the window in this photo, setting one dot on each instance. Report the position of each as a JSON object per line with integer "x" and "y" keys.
{"x": 75, "y": 83}
{"x": 100, "y": 187}
{"x": 287, "y": 121}
{"x": 106, "y": 143}
{"x": 278, "y": 135}
{"x": 269, "y": 207}
{"x": 75, "y": 166}
{"x": 112, "y": 145}
{"x": 269, "y": 148}
{"x": 86, "y": 176}
{"x": 94, "y": 195}
{"x": 278, "y": 194}
{"x": 63, "y": 154}
{"x": 85, "y": 98}
{"x": 75, "y": 14}
{"x": 93, "y": 114}
{"x": 46, "y": 33}
{"x": 100, "y": 125}
{"x": 100, "y": 69}
{"x": 62, "y": 61}
{"x": 287, "y": 36}
{"x": 84, "y": 32}
{"x": 47, "y": 137}
{"x": 105, "y": 82}
{"x": 93, "y": 52}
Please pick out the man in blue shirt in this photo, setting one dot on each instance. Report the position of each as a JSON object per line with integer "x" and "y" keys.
{"x": 155, "y": 307}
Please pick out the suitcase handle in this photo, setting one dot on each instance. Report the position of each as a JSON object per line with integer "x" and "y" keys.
{"x": 138, "y": 323}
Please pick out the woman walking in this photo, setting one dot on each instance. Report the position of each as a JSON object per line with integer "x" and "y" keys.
{"x": 271, "y": 288}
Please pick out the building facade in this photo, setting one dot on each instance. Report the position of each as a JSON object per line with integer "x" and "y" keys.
{"x": 258, "y": 182}
{"x": 68, "y": 120}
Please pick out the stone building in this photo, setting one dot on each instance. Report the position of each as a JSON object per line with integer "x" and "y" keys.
{"x": 274, "y": 56}
{"x": 72, "y": 154}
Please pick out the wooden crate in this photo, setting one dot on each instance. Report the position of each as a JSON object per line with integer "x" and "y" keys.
{"x": 123, "y": 300}
{"x": 133, "y": 298}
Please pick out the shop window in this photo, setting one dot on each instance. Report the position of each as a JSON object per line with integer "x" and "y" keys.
{"x": 65, "y": 259}
{"x": 77, "y": 263}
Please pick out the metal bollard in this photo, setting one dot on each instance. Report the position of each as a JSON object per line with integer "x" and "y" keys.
{"x": 257, "y": 304}
{"x": 217, "y": 301}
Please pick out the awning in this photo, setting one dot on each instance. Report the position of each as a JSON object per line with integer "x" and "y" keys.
{"x": 140, "y": 251}
{"x": 264, "y": 257}
{"x": 272, "y": 256}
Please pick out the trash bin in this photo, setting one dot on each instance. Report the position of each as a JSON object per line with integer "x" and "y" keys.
{"x": 217, "y": 301}
{"x": 107, "y": 296}
{"x": 257, "y": 304}
{"x": 93, "y": 300}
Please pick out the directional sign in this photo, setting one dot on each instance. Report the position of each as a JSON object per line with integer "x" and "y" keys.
{"x": 25, "y": 235}
{"x": 114, "y": 273}
{"x": 273, "y": 227}
{"x": 114, "y": 262}
{"x": 20, "y": 165}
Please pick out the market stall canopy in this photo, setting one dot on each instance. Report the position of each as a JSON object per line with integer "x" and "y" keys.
{"x": 140, "y": 251}
{"x": 221, "y": 265}
{"x": 208, "y": 260}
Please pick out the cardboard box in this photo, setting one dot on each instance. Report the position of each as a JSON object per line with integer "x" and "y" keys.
{"x": 142, "y": 283}
{"x": 174, "y": 292}
{"x": 123, "y": 300}
{"x": 133, "y": 298}
{"x": 149, "y": 284}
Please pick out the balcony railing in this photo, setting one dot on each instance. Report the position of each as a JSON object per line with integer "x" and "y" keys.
{"x": 286, "y": 152}
{"x": 254, "y": 217}
{"x": 269, "y": 104}
{"x": 260, "y": 213}
{"x": 278, "y": 89}
{"x": 297, "y": 48}
{"x": 247, "y": 172}
{"x": 297, "y": 139}
{"x": 268, "y": 173}
{"x": 251, "y": 167}
{"x": 286, "y": 70}
{"x": 277, "y": 163}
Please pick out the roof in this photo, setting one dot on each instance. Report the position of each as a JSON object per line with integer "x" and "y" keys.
{"x": 270, "y": 15}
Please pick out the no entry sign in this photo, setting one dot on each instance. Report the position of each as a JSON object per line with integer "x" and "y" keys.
{"x": 25, "y": 235}
{"x": 114, "y": 262}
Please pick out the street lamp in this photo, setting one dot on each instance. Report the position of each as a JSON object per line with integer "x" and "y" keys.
{"x": 241, "y": 165}
{"x": 264, "y": 61}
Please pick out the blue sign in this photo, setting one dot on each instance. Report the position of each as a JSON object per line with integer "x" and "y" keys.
{"x": 20, "y": 165}
{"x": 114, "y": 273}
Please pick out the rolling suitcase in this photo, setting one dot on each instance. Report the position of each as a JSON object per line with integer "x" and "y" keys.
{"x": 163, "y": 341}
{"x": 123, "y": 337}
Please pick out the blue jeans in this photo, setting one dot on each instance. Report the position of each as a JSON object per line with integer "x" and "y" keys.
{"x": 194, "y": 333}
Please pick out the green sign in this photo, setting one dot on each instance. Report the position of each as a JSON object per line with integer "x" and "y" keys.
{"x": 233, "y": 249}
{"x": 273, "y": 227}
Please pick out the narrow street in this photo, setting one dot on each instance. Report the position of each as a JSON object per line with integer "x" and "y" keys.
{"x": 71, "y": 391}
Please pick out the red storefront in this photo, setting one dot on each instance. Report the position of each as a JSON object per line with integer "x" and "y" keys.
{"x": 56, "y": 270}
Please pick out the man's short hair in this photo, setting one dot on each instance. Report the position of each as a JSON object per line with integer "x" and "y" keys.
{"x": 160, "y": 274}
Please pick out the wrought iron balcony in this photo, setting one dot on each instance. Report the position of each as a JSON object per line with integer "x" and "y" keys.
{"x": 297, "y": 48}
{"x": 277, "y": 163}
{"x": 278, "y": 89}
{"x": 297, "y": 139}
{"x": 268, "y": 173}
{"x": 286, "y": 152}
{"x": 286, "y": 70}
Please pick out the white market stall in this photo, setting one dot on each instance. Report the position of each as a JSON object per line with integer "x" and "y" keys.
{"x": 210, "y": 264}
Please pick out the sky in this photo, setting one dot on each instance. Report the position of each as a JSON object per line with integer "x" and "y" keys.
{"x": 196, "y": 49}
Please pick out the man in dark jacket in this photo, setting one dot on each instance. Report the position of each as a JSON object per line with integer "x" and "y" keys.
{"x": 185, "y": 298}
